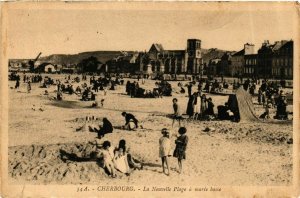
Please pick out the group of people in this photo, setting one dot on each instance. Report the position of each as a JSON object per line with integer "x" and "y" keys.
{"x": 133, "y": 89}
{"x": 200, "y": 107}
{"x": 209, "y": 86}
{"x": 118, "y": 158}
{"x": 85, "y": 91}
{"x": 162, "y": 88}
{"x": 88, "y": 95}
{"x": 26, "y": 79}
{"x": 270, "y": 96}
{"x": 179, "y": 152}
{"x": 102, "y": 82}
{"x": 131, "y": 124}
{"x": 33, "y": 78}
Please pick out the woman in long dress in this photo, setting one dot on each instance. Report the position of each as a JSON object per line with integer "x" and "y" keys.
{"x": 203, "y": 105}
{"x": 190, "y": 106}
{"x": 197, "y": 106}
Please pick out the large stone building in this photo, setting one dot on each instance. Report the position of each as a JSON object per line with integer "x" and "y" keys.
{"x": 271, "y": 61}
{"x": 250, "y": 65}
{"x": 282, "y": 61}
{"x": 160, "y": 61}
{"x": 236, "y": 68}
{"x": 214, "y": 66}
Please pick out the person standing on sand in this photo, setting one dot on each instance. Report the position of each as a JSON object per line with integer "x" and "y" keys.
{"x": 181, "y": 144}
{"x": 17, "y": 84}
{"x": 190, "y": 85}
{"x": 203, "y": 105}
{"x": 190, "y": 106}
{"x": 177, "y": 113}
{"x": 197, "y": 106}
{"x": 165, "y": 149}
{"x": 210, "y": 108}
{"x": 28, "y": 87}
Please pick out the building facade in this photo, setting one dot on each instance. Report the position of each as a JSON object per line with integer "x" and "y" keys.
{"x": 250, "y": 66}
{"x": 214, "y": 66}
{"x": 160, "y": 61}
{"x": 236, "y": 68}
{"x": 271, "y": 61}
{"x": 282, "y": 61}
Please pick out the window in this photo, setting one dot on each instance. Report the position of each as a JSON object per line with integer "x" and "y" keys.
{"x": 285, "y": 62}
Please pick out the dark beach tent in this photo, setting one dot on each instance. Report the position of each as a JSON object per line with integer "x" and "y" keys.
{"x": 241, "y": 105}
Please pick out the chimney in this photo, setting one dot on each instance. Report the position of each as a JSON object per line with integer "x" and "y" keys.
{"x": 248, "y": 48}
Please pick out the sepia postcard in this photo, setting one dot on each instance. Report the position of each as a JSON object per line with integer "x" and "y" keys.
{"x": 149, "y": 99}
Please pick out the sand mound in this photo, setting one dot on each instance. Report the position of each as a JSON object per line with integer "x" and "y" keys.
{"x": 259, "y": 133}
{"x": 54, "y": 163}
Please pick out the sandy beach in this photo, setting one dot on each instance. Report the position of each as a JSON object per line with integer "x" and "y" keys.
{"x": 233, "y": 154}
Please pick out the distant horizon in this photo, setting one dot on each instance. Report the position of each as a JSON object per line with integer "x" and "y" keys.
{"x": 75, "y": 53}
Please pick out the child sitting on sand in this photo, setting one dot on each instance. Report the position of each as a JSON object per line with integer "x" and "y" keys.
{"x": 108, "y": 157}
{"x": 121, "y": 161}
{"x": 181, "y": 144}
{"x": 132, "y": 162}
{"x": 165, "y": 149}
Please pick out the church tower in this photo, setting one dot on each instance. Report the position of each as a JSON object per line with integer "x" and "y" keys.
{"x": 193, "y": 54}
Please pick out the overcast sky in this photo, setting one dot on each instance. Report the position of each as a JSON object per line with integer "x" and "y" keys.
{"x": 56, "y": 31}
